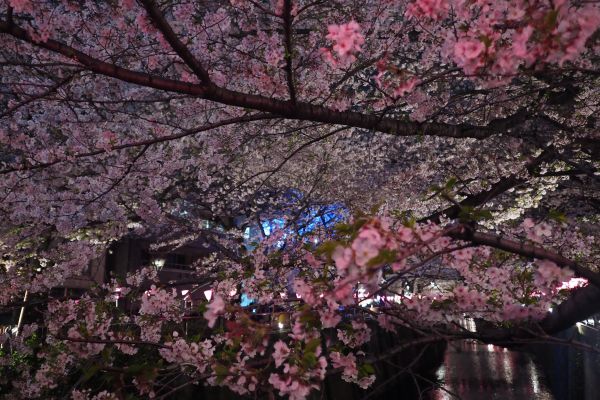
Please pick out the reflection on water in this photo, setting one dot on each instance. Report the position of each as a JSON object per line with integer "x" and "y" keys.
{"x": 474, "y": 371}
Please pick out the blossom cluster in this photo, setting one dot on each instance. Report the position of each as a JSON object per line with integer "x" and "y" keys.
{"x": 347, "y": 39}
{"x": 114, "y": 133}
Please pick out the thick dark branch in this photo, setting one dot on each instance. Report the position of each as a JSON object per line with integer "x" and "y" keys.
{"x": 286, "y": 109}
{"x": 587, "y": 169}
{"x": 104, "y": 68}
{"x": 9, "y": 15}
{"x": 287, "y": 44}
{"x": 497, "y": 189}
{"x": 171, "y": 37}
{"x": 526, "y": 250}
{"x": 309, "y": 112}
{"x": 572, "y": 172}
{"x": 582, "y": 304}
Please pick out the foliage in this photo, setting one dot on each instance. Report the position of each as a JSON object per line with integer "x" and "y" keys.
{"x": 423, "y": 160}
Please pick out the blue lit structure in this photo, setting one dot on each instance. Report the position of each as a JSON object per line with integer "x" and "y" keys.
{"x": 312, "y": 219}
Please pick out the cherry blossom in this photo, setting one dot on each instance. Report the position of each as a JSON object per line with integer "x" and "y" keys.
{"x": 434, "y": 9}
{"x": 281, "y": 352}
{"x": 347, "y": 38}
{"x": 325, "y": 173}
{"x": 215, "y": 308}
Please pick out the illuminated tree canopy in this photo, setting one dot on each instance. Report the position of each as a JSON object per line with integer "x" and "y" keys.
{"x": 416, "y": 162}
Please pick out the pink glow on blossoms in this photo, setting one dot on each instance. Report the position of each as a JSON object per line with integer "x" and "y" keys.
{"x": 467, "y": 54}
{"x": 549, "y": 274}
{"x": 545, "y": 33}
{"x": 573, "y": 31}
{"x": 214, "y": 309}
{"x": 536, "y": 231}
{"x": 406, "y": 87}
{"x": 357, "y": 336}
{"x": 290, "y": 387}
{"x": 158, "y": 301}
{"x": 342, "y": 256}
{"x": 520, "y": 41}
{"x": 347, "y": 40}
{"x": 432, "y": 9}
{"x": 347, "y": 363}
{"x": 280, "y": 353}
{"x": 367, "y": 245}
{"x": 21, "y": 5}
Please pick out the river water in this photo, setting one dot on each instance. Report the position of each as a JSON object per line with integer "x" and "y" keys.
{"x": 475, "y": 371}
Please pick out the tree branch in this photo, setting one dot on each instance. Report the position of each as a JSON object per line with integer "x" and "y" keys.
{"x": 286, "y": 109}
{"x": 114, "y": 341}
{"x": 580, "y": 305}
{"x": 148, "y": 142}
{"x": 122, "y": 177}
{"x": 33, "y": 98}
{"x": 171, "y": 37}
{"x": 104, "y": 68}
{"x": 287, "y": 44}
{"x": 526, "y": 250}
{"x": 496, "y": 189}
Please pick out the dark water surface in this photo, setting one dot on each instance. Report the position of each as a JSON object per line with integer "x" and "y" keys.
{"x": 474, "y": 371}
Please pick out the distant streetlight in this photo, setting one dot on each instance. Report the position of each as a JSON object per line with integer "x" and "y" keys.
{"x": 158, "y": 263}
{"x": 117, "y": 295}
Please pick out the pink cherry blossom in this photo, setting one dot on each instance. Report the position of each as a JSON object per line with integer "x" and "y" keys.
{"x": 367, "y": 245}
{"x": 214, "y": 309}
{"x": 289, "y": 161}
{"x": 342, "y": 257}
{"x": 467, "y": 54}
{"x": 519, "y": 41}
{"x": 347, "y": 39}
{"x": 432, "y": 9}
{"x": 406, "y": 87}
{"x": 280, "y": 353}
